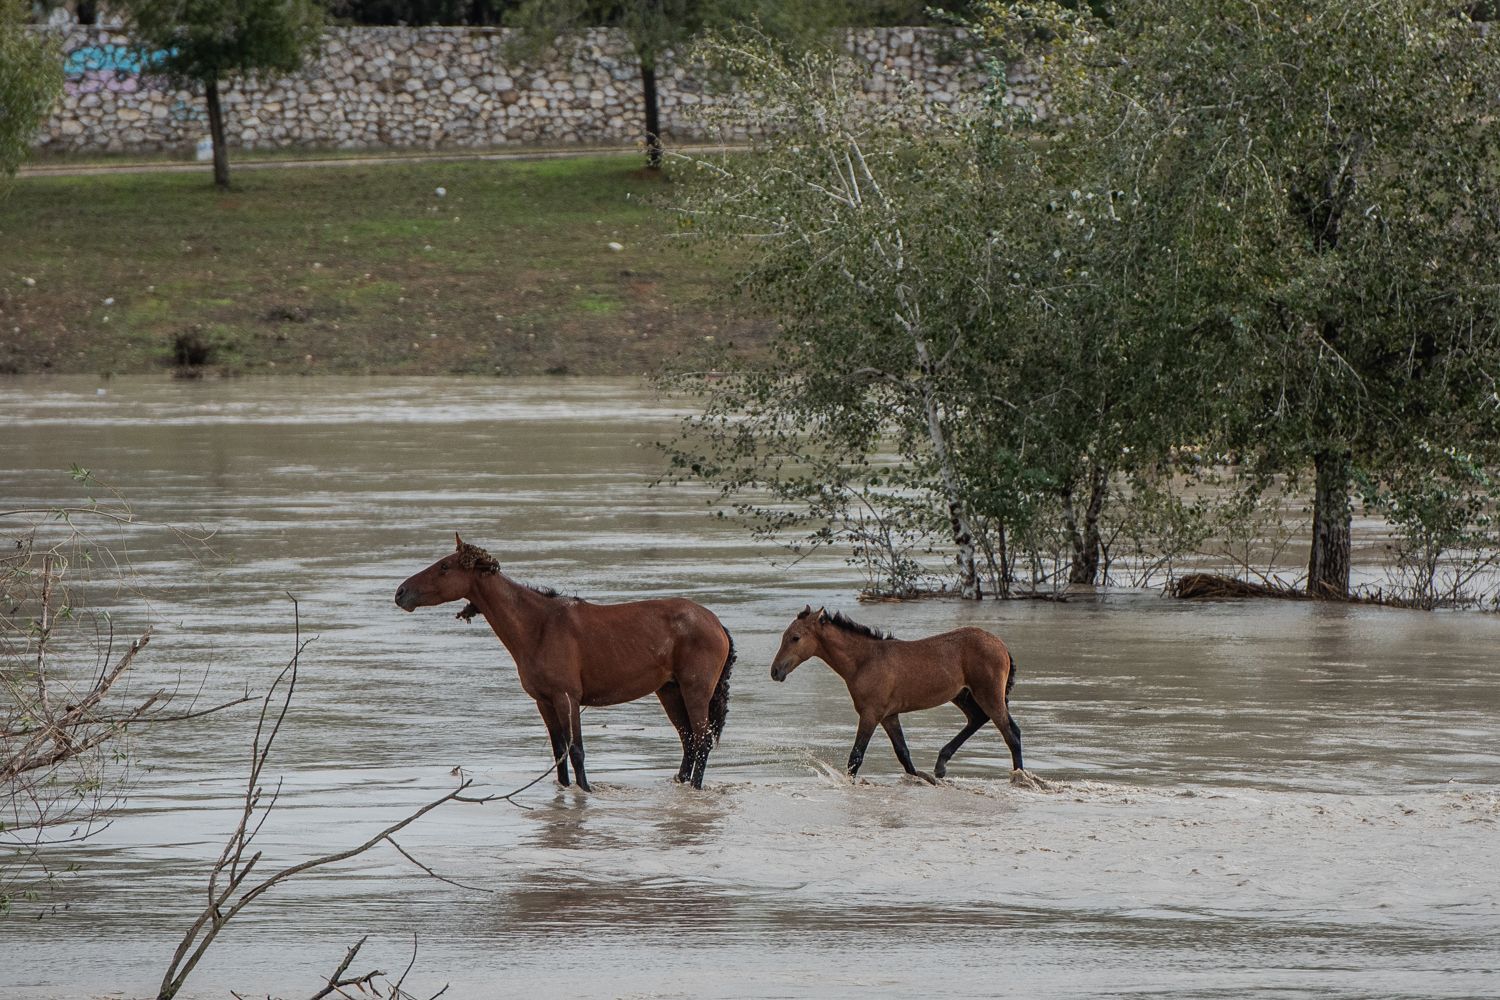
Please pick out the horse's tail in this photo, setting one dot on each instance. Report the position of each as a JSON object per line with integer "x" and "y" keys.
{"x": 1010, "y": 680}
{"x": 718, "y": 705}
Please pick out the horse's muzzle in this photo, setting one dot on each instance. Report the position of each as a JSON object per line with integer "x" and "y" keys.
{"x": 778, "y": 672}
{"x": 406, "y": 599}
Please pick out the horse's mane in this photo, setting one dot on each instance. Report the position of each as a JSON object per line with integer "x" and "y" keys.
{"x": 473, "y": 557}
{"x": 850, "y": 625}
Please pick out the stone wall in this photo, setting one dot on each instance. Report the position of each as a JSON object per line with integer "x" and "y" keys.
{"x": 427, "y": 88}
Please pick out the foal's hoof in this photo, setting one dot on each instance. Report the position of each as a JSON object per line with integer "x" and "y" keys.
{"x": 1023, "y": 778}
{"x": 925, "y": 777}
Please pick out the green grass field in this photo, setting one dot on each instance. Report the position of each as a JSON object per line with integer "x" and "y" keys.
{"x": 358, "y": 269}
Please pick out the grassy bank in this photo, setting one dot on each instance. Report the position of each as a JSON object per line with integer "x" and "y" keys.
{"x": 358, "y": 269}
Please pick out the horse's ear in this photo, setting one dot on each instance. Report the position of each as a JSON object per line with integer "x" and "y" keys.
{"x": 458, "y": 543}
{"x": 822, "y": 615}
{"x": 805, "y": 612}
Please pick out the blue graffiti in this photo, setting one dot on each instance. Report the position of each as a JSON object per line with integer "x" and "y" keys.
{"x": 116, "y": 68}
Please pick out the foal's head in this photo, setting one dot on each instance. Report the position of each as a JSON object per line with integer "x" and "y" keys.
{"x": 802, "y": 640}
{"x": 449, "y": 579}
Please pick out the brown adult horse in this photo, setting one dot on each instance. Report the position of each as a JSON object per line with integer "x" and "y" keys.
{"x": 887, "y": 676}
{"x": 570, "y": 653}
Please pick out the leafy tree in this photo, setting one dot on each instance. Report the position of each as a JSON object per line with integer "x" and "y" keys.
{"x": 1317, "y": 183}
{"x": 30, "y": 80}
{"x": 874, "y": 234}
{"x": 420, "y": 12}
{"x": 965, "y": 348}
{"x": 659, "y": 30}
{"x": 206, "y": 42}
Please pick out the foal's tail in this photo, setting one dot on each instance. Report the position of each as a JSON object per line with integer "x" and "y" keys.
{"x": 718, "y": 705}
{"x": 1010, "y": 680}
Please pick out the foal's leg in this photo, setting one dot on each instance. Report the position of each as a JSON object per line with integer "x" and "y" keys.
{"x": 557, "y": 733}
{"x": 575, "y": 741}
{"x": 671, "y": 702}
{"x": 1012, "y": 734}
{"x": 965, "y": 701}
{"x": 892, "y": 724}
{"x": 861, "y": 740}
{"x": 996, "y": 708}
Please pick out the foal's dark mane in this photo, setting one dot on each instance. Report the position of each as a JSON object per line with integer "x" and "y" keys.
{"x": 850, "y": 625}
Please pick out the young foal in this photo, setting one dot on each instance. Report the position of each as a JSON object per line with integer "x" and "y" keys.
{"x": 887, "y": 676}
{"x": 570, "y": 653}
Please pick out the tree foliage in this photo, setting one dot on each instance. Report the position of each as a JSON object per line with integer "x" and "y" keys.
{"x": 421, "y": 12}
{"x": 1321, "y": 180}
{"x": 1260, "y": 232}
{"x": 878, "y": 240}
{"x": 207, "y": 42}
{"x": 663, "y": 30}
{"x": 30, "y": 80}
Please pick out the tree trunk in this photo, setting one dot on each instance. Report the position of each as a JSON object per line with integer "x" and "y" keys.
{"x": 1085, "y": 538}
{"x": 653, "y": 113}
{"x": 1328, "y": 563}
{"x": 216, "y": 132}
{"x": 963, "y": 533}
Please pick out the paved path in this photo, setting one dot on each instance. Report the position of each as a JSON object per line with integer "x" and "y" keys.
{"x": 62, "y": 168}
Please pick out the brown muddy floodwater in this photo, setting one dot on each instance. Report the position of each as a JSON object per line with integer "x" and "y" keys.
{"x": 1252, "y": 799}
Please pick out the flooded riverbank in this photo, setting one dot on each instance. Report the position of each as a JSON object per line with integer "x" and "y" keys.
{"x": 1251, "y": 798}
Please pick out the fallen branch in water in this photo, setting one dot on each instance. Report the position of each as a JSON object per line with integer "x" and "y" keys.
{"x": 229, "y": 890}
{"x": 65, "y": 724}
{"x": 1211, "y": 587}
{"x": 1208, "y": 586}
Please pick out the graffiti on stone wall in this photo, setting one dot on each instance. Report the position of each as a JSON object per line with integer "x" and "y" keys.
{"x": 115, "y": 68}
{"x": 188, "y": 112}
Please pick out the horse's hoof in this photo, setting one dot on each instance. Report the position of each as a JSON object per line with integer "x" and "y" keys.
{"x": 930, "y": 779}
{"x": 1023, "y": 778}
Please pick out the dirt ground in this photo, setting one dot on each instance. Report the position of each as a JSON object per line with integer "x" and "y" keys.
{"x": 487, "y": 267}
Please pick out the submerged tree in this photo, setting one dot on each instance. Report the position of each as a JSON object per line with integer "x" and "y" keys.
{"x": 1321, "y": 180}
{"x": 30, "y": 80}
{"x": 205, "y": 43}
{"x": 965, "y": 347}
{"x": 875, "y": 234}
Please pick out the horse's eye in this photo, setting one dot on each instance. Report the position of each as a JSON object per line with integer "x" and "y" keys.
{"x": 796, "y": 637}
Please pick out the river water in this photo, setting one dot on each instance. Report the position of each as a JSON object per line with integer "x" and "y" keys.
{"x": 1249, "y": 799}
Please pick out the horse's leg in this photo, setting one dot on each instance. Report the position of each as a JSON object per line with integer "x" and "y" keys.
{"x": 965, "y": 701}
{"x": 696, "y": 685}
{"x": 557, "y": 733}
{"x": 701, "y": 741}
{"x": 1013, "y": 740}
{"x": 671, "y": 702}
{"x": 575, "y": 742}
{"x": 995, "y": 707}
{"x": 892, "y": 724}
{"x": 701, "y": 737}
{"x": 861, "y": 740}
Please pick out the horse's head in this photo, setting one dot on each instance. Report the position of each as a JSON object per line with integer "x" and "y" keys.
{"x": 451, "y": 578}
{"x": 802, "y": 640}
